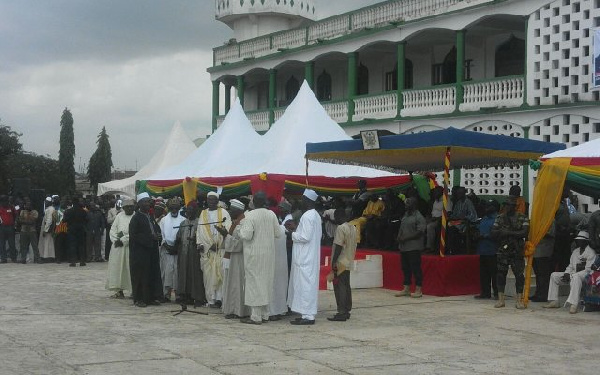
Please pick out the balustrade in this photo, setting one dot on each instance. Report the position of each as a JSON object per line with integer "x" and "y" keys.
{"x": 376, "y": 107}
{"x": 434, "y": 101}
{"x": 502, "y": 92}
{"x": 338, "y": 111}
{"x": 259, "y": 119}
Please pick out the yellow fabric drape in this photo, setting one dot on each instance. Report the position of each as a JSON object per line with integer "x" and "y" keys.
{"x": 189, "y": 189}
{"x": 547, "y": 195}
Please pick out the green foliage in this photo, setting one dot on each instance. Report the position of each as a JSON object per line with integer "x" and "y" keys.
{"x": 42, "y": 171}
{"x": 100, "y": 164}
{"x": 9, "y": 145}
{"x": 66, "y": 154}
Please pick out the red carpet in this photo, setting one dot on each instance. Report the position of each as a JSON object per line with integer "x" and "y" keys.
{"x": 449, "y": 276}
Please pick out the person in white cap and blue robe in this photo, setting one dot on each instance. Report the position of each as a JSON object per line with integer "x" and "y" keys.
{"x": 303, "y": 289}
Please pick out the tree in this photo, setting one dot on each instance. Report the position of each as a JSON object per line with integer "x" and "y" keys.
{"x": 101, "y": 163}
{"x": 66, "y": 155}
{"x": 42, "y": 171}
{"x": 9, "y": 145}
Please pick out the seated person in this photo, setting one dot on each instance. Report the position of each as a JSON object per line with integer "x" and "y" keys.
{"x": 579, "y": 267}
{"x": 462, "y": 216}
{"x": 374, "y": 209}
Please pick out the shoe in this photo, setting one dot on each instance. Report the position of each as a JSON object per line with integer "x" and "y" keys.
{"x": 482, "y": 297}
{"x": 154, "y": 303}
{"x": 140, "y": 304}
{"x": 265, "y": 320}
{"x": 23, "y": 262}
{"x": 232, "y": 316}
{"x": 218, "y": 304}
{"x": 274, "y": 318}
{"x": 501, "y": 301}
{"x": 82, "y": 264}
{"x": 519, "y": 303}
{"x": 404, "y": 292}
{"x": 3, "y": 261}
{"x": 552, "y": 305}
{"x": 302, "y": 322}
{"x": 164, "y": 299}
{"x": 100, "y": 260}
{"x": 417, "y": 293}
{"x": 573, "y": 309}
{"x": 72, "y": 265}
{"x": 338, "y": 318}
{"x": 249, "y": 321}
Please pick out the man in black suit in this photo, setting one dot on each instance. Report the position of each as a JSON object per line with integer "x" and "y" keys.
{"x": 144, "y": 238}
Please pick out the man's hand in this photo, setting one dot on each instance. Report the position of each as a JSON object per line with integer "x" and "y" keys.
{"x": 118, "y": 243}
{"x": 222, "y": 231}
{"x": 566, "y": 277}
{"x": 290, "y": 225}
{"x": 213, "y": 247}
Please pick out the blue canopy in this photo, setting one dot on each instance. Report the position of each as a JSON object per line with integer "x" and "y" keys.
{"x": 426, "y": 151}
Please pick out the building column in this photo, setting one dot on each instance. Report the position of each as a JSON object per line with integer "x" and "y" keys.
{"x": 352, "y": 82}
{"x": 227, "y": 98}
{"x": 215, "y": 103}
{"x": 525, "y": 103}
{"x": 401, "y": 67}
{"x": 525, "y": 183}
{"x": 460, "y": 66}
{"x": 240, "y": 89}
{"x": 309, "y": 73}
{"x": 272, "y": 95}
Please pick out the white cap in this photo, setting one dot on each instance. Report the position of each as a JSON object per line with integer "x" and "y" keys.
{"x": 212, "y": 194}
{"x": 141, "y": 196}
{"x": 234, "y": 203}
{"x": 583, "y": 235}
{"x": 48, "y": 199}
{"x": 311, "y": 194}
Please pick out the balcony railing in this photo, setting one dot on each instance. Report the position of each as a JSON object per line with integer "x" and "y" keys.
{"x": 434, "y": 101}
{"x": 376, "y": 106}
{"x": 337, "y": 110}
{"x": 497, "y": 93}
{"x": 375, "y": 16}
{"x": 259, "y": 119}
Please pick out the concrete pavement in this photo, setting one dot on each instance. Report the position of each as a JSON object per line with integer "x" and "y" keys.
{"x": 60, "y": 320}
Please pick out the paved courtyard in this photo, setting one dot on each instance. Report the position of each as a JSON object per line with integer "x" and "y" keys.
{"x": 59, "y": 320}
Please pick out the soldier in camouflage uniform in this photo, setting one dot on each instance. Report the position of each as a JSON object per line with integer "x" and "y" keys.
{"x": 510, "y": 230}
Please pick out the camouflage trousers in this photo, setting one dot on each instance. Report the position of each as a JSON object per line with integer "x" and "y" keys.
{"x": 517, "y": 263}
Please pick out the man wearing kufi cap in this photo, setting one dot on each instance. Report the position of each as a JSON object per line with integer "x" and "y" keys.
{"x": 46, "y": 240}
{"x": 169, "y": 226}
{"x": 144, "y": 239}
{"x": 190, "y": 283}
{"x": 233, "y": 265}
{"x": 111, "y": 214}
{"x": 210, "y": 243}
{"x": 579, "y": 267}
{"x": 259, "y": 229}
{"x": 303, "y": 290}
{"x": 118, "y": 272}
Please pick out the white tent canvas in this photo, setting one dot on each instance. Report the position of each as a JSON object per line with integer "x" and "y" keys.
{"x": 175, "y": 148}
{"x": 305, "y": 120}
{"x": 589, "y": 149}
{"x": 234, "y": 149}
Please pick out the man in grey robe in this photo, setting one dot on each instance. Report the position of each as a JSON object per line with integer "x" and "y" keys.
{"x": 233, "y": 261}
{"x": 190, "y": 284}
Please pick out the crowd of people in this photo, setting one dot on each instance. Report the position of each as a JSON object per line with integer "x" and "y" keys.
{"x": 258, "y": 259}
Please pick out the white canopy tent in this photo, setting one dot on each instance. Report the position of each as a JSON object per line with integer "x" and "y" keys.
{"x": 176, "y": 147}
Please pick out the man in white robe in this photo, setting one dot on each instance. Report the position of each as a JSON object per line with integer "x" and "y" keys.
{"x": 234, "y": 306}
{"x": 210, "y": 243}
{"x": 303, "y": 291}
{"x": 259, "y": 229}
{"x": 169, "y": 226}
{"x": 118, "y": 274}
{"x": 46, "y": 241}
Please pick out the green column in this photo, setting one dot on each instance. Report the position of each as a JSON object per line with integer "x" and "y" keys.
{"x": 401, "y": 54}
{"x": 460, "y": 66}
{"x": 215, "y": 104}
{"x": 227, "y": 98}
{"x": 272, "y": 95}
{"x": 309, "y": 73}
{"x": 352, "y": 82}
{"x": 456, "y": 176}
{"x": 525, "y": 187}
{"x": 240, "y": 89}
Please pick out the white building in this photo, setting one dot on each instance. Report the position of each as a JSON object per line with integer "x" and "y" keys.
{"x": 515, "y": 67}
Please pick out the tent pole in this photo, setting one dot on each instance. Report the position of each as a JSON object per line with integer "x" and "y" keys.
{"x": 306, "y": 158}
{"x": 445, "y": 201}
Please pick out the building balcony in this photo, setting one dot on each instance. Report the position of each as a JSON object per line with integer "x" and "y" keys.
{"x": 381, "y": 15}
{"x": 505, "y": 92}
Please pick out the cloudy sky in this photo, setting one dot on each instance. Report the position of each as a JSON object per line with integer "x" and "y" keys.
{"x": 134, "y": 66}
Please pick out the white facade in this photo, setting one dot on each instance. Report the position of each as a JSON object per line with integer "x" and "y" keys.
{"x": 527, "y": 71}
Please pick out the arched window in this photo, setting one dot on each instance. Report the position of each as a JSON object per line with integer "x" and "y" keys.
{"x": 291, "y": 89}
{"x": 363, "y": 80}
{"x": 510, "y": 57}
{"x": 391, "y": 78}
{"x": 324, "y": 86}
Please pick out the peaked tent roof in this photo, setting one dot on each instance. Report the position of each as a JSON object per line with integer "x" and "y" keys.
{"x": 587, "y": 153}
{"x": 305, "y": 120}
{"x": 175, "y": 148}
{"x": 234, "y": 149}
{"x": 426, "y": 151}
